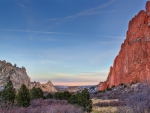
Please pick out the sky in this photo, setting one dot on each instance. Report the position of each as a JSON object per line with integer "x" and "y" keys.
{"x": 70, "y": 42}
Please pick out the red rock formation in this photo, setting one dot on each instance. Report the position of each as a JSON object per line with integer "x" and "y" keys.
{"x": 132, "y": 64}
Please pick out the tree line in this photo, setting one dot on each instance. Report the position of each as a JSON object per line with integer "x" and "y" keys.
{"x": 24, "y": 96}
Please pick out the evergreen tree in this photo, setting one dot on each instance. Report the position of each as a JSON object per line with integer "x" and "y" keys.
{"x": 8, "y": 94}
{"x": 84, "y": 100}
{"x": 56, "y": 95}
{"x": 73, "y": 99}
{"x": 23, "y": 96}
{"x": 67, "y": 95}
{"x": 49, "y": 96}
{"x": 36, "y": 93}
{"x": 61, "y": 95}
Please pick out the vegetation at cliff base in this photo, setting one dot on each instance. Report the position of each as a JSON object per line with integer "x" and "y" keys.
{"x": 49, "y": 96}
{"x": 36, "y": 93}
{"x": 23, "y": 96}
{"x": 8, "y": 94}
{"x": 82, "y": 99}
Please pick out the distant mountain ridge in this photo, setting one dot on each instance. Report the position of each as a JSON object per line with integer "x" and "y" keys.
{"x": 73, "y": 89}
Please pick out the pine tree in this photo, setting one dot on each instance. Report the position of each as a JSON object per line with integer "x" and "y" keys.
{"x": 23, "y": 96}
{"x": 36, "y": 93}
{"x": 8, "y": 94}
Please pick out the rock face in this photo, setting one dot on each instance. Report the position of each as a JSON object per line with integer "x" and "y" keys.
{"x": 18, "y": 76}
{"x": 47, "y": 87}
{"x": 132, "y": 64}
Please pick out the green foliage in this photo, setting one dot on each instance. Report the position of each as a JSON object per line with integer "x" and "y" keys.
{"x": 57, "y": 96}
{"x": 73, "y": 99}
{"x": 49, "y": 96}
{"x": 82, "y": 99}
{"x": 8, "y": 94}
{"x": 23, "y": 96}
{"x": 67, "y": 95}
{"x": 62, "y": 95}
{"x": 36, "y": 93}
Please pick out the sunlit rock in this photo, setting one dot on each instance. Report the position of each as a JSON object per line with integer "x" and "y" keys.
{"x": 132, "y": 64}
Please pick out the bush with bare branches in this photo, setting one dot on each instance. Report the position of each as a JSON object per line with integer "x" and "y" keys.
{"x": 137, "y": 100}
{"x": 45, "y": 106}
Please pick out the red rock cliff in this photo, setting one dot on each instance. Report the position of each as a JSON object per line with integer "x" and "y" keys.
{"x": 132, "y": 64}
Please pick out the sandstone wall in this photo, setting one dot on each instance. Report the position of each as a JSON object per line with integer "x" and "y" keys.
{"x": 132, "y": 64}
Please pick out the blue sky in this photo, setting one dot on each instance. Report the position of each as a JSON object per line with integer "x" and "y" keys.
{"x": 70, "y": 42}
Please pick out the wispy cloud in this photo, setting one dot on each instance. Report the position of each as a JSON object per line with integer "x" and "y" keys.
{"x": 21, "y": 5}
{"x": 48, "y": 32}
{"x": 54, "y": 19}
{"x": 110, "y": 36}
{"x": 91, "y": 11}
{"x": 103, "y": 57}
{"x": 45, "y": 32}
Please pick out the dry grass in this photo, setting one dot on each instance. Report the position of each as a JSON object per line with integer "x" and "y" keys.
{"x": 45, "y": 106}
{"x": 99, "y": 106}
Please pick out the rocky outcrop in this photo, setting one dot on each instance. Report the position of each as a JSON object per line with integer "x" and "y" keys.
{"x": 17, "y": 75}
{"x": 47, "y": 87}
{"x": 132, "y": 64}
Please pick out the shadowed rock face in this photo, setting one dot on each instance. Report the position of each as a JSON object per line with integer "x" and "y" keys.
{"x": 132, "y": 64}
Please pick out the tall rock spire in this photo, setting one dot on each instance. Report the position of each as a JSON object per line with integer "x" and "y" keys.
{"x": 132, "y": 64}
{"x": 147, "y": 6}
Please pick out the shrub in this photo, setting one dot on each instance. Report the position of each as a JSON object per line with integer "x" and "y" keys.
{"x": 108, "y": 89}
{"x": 36, "y": 93}
{"x": 73, "y": 99}
{"x": 82, "y": 99}
{"x": 8, "y": 94}
{"x": 57, "y": 96}
{"x": 45, "y": 106}
{"x": 62, "y": 95}
{"x": 67, "y": 95}
{"x": 23, "y": 96}
{"x": 137, "y": 101}
{"x": 49, "y": 96}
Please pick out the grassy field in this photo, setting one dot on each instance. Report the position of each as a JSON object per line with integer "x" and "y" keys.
{"x": 104, "y": 106}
